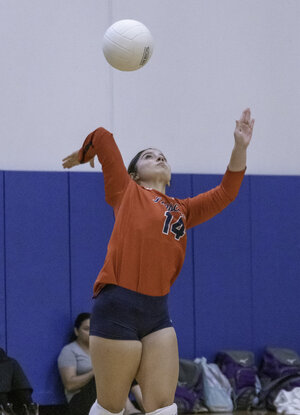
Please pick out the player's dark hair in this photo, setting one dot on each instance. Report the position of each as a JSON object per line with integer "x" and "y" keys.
{"x": 132, "y": 164}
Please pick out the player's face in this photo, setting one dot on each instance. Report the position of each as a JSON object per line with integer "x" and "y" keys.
{"x": 83, "y": 331}
{"x": 153, "y": 165}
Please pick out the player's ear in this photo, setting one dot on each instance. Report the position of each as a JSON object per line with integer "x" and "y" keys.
{"x": 76, "y": 331}
{"x": 134, "y": 176}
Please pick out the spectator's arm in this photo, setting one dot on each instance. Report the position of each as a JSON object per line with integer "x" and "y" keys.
{"x": 71, "y": 380}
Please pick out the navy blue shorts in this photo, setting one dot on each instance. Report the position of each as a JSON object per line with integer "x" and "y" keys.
{"x": 122, "y": 314}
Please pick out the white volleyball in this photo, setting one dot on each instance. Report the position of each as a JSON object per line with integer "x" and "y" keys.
{"x": 127, "y": 45}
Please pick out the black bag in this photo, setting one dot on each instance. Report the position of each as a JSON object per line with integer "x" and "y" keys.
{"x": 239, "y": 368}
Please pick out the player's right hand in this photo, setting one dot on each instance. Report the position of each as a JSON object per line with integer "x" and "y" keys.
{"x": 71, "y": 160}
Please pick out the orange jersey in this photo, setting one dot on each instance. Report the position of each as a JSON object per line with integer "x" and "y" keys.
{"x": 148, "y": 242}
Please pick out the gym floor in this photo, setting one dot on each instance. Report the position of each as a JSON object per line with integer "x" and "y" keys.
{"x": 62, "y": 410}
{"x": 243, "y": 413}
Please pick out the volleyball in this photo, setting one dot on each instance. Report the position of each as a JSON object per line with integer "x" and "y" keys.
{"x": 127, "y": 45}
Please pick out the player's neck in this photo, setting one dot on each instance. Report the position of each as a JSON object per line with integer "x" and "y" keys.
{"x": 156, "y": 185}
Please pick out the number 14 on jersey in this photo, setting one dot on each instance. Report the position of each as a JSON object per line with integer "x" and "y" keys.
{"x": 177, "y": 228}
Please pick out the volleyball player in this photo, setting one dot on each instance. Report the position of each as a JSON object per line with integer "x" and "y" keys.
{"x": 131, "y": 334}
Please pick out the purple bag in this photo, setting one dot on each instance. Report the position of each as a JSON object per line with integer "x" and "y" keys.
{"x": 280, "y": 369}
{"x": 239, "y": 367}
{"x": 188, "y": 395}
{"x": 277, "y": 363}
{"x": 187, "y": 400}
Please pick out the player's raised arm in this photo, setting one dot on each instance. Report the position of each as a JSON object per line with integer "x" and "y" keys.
{"x": 242, "y": 135}
{"x": 101, "y": 143}
{"x": 206, "y": 205}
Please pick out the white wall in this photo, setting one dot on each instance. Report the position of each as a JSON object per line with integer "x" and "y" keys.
{"x": 212, "y": 59}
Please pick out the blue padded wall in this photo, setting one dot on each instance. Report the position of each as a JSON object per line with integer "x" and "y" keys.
{"x": 181, "y": 299}
{"x": 239, "y": 286}
{"x": 222, "y": 255}
{"x": 90, "y": 228}
{"x": 275, "y": 218}
{"x": 37, "y": 270}
{"x": 2, "y": 267}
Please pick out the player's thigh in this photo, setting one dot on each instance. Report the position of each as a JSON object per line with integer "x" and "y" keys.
{"x": 159, "y": 367}
{"x": 115, "y": 363}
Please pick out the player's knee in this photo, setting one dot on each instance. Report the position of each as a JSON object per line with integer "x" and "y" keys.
{"x": 167, "y": 410}
{"x": 97, "y": 409}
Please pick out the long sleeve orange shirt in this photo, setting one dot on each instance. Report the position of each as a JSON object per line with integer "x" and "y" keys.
{"x": 147, "y": 247}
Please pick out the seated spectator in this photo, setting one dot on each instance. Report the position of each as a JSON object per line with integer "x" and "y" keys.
{"x": 15, "y": 389}
{"x": 75, "y": 368}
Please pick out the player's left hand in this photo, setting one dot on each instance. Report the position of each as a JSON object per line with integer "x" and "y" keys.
{"x": 244, "y": 128}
